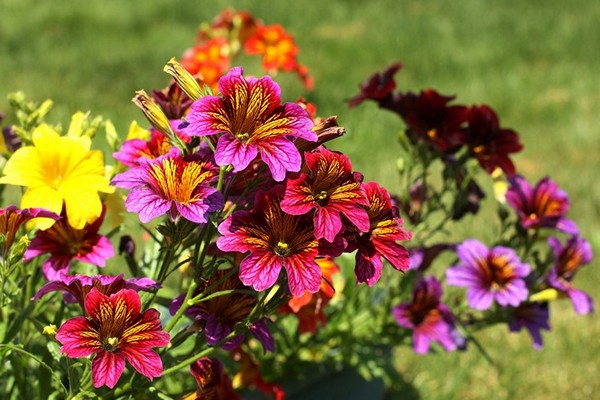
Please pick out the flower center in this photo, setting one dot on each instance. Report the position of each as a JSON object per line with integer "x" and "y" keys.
{"x": 242, "y": 137}
{"x": 111, "y": 344}
{"x": 282, "y": 249}
{"x": 321, "y": 198}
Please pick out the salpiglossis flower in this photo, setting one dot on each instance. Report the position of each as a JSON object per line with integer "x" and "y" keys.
{"x": 428, "y": 318}
{"x": 213, "y": 381}
{"x": 115, "y": 331}
{"x": 534, "y": 317}
{"x": 57, "y": 169}
{"x": 489, "y": 274}
{"x": 209, "y": 60}
{"x": 172, "y": 184}
{"x": 65, "y": 243}
{"x": 569, "y": 258}
{"x": 275, "y": 240}
{"x": 544, "y": 205}
{"x": 251, "y": 120}
{"x": 382, "y": 238}
{"x": 331, "y": 190}
{"x": 12, "y": 218}
{"x": 276, "y": 46}
{"x": 488, "y": 142}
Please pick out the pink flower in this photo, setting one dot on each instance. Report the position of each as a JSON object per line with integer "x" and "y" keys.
{"x": 158, "y": 145}
{"x": 172, "y": 184}
{"x": 114, "y": 332}
{"x": 65, "y": 243}
{"x": 251, "y": 120}
{"x": 331, "y": 190}
{"x": 275, "y": 240}
{"x": 382, "y": 238}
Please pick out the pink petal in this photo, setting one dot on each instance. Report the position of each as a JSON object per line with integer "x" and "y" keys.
{"x": 78, "y": 338}
{"x": 280, "y": 155}
{"x": 303, "y": 274}
{"x": 107, "y": 368}
{"x": 260, "y": 270}
{"x": 231, "y": 150}
{"x": 144, "y": 360}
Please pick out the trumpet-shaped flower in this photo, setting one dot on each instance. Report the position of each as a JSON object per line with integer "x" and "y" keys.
{"x": 65, "y": 243}
{"x": 173, "y": 185}
{"x": 115, "y": 331}
{"x": 12, "y": 218}
{"x": 428, "y": 318}
{"x": 331, "y": 190}
{"x": 275, "y": 240}
{"x": 252, "y": 121}
{"x": 217, "y": 316}
{"x": 59, "y": 169}
{"x": 382, "y": 238}
{"x": 544, "y": 205}
{"x": 76, "y": 287}
{"x": 213, "y": 381}
{"x": 534, "y": 317}
{"x": 568, "y": 261}
{"x": 489, "y": 274}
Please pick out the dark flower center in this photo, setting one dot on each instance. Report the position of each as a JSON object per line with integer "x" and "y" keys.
{"x": 110, "y": 344}
{"x": 282, "y": 249}
{"x": 321, "y": 197}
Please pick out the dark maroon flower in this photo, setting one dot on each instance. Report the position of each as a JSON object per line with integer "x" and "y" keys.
{"x": 488, "y": 143}
{"x": 12, "y": 218}
{"x": 378, "y": 87}
{"x": 213, "y": 381}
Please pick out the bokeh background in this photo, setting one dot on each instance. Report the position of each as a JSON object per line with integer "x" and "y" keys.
{"x": 537, "y": 63}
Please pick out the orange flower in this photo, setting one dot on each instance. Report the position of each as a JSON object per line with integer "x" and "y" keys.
{"x": 276, "y": 47}
{"x": 210, "y": 60}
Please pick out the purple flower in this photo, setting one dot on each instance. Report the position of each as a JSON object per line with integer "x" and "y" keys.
{"x": 545, "y": 205}
{"x": 428, "y": 318}
{"x": 171, "y": 184}
{"x": 568, "y": 260}
{"x": 533, "y": 317}
{"x": 489, "y": 274}
{"x": 252, "y": 121}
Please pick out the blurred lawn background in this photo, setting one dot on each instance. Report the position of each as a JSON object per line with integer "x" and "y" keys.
{"x": 536, "y": 63}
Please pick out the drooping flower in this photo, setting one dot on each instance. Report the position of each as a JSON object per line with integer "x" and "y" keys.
{"x": 430, "y": 119}
{"x": 544, "y": 205}
{"x": 276, "y": 47}
{"x": 252, "y": 121}
{"x": 65, "y": 243}
{"x": 489, "y": 274}
{"x": 568, "y": 261}
{"x": 429, "y": 319}
{"x": 59, "y": 169}
{"x": 378, "y": 87}
{"x": 490, "y": 144}
{"x": 209, "y": 60}
{"x": 115, "y": 331}
{"x": 172, "y": 184}
{"x": 213, "y": 381}
{"x": 382, "y": 238}
{"x": 275, "y": 240}
{"x": 534, "y": 317}
{"x": 217, "y": 316}
{"x": 12, "y": 218}
{"x": 76, "y": 287}
{"x": 309, "y": 307}
{"x": 332, "y": 190}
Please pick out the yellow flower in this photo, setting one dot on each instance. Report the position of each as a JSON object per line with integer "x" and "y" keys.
{"x": 58, "y": 168}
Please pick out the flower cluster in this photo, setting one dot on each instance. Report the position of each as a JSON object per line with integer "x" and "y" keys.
{"x": 252, "y": 246}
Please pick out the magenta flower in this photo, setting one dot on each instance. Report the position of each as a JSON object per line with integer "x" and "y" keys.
{"x": 428, "y": 318}
{"x": 489, "y": 275}
{"x": 114, "y": 332}
{"x": 65, "y": 243}
{"x": 76, "y": 287}
{"x": 217, "y": 317}
{"x": 534, "y": 317}
{"x": 382, "y": 238}
{"x": 172, "y": 184}
{"x": 545, "y": 205}
{"x": 568, "y": 260}
{"x": 275, "y": 240}
{"x": 12, "y": 218}
{"x": 331, "y": 190}
{"x": 251, "y": 120}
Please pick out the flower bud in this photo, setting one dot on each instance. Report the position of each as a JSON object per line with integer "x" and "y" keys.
{"x": 184, "y": 79}
{"x": 153, "y": 113}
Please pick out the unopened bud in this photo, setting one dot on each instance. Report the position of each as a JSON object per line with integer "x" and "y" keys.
{"x": 184, "y": 79}
{"x": 153, "y": 113}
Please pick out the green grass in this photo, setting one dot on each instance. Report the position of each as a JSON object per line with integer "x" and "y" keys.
{"x": 535, "y": 62}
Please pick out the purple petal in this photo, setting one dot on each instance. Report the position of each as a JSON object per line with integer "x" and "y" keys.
{"x": 280, "y": 155}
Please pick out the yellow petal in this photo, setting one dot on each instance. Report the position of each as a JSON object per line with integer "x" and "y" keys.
{"x": 546, "y": 295}
{"x": 42, "y": 197}
{"x": 76, "y": 126}
{"x": 24, "y": 168}
{"x": 137, "y": 132}
{"x": 82, "y": 207}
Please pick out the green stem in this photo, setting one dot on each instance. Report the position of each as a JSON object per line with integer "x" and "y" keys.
{"x": 184, "y": 306}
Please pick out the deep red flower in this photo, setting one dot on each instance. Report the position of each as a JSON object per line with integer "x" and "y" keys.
{"x": 213, "y": 381}
{"x": 173, "y": 101}
{"x": 430, "y": 119}
{"x": 65, "y": 243}
{"x": 489, "y": 143}
{"x": 377, "y": 87}
{"x": 275, "y": 240}
{"x": 12, "y": 218}
{"x": 331, "y": 189}
{"x": 114, "y": 332}
{"x": 382, "y": 238}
